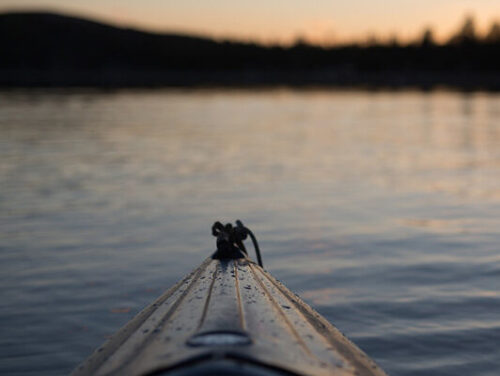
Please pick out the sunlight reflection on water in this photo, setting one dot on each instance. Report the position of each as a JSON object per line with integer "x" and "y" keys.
{"x": 379, "y": 208}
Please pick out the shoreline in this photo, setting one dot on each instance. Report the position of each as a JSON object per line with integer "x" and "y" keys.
{"x": 423, "y": 80}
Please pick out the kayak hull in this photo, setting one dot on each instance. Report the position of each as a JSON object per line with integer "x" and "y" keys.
{"x": 228, "y": 316}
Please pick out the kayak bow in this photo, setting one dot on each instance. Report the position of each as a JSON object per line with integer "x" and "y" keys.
{"x": 228, "y": 317}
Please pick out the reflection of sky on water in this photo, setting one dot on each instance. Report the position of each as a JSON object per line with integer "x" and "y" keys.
{"x": 379, "y": 208}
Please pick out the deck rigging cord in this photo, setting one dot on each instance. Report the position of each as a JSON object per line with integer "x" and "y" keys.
{"x": 230, "y": 240}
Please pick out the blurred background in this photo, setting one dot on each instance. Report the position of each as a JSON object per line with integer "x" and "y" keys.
{"x": 360, "y": 142}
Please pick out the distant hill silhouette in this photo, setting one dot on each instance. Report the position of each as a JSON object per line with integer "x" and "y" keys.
{"x": 46, "y": 49}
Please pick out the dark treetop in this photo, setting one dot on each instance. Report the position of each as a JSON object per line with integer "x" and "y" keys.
{"x": 44, "y": 49}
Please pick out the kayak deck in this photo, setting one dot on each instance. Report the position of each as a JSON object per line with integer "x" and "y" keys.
{"x": 228, "y": 311}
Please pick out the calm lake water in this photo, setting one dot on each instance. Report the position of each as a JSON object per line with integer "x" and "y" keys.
{"x": 381, "y": 209}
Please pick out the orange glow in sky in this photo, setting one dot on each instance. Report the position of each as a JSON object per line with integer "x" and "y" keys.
{"x": 282, "y": 21}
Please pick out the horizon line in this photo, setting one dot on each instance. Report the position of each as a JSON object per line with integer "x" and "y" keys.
{"x": 370, "y": 39}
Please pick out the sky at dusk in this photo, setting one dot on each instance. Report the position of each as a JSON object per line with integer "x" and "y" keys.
{"x": 281, "y": 21}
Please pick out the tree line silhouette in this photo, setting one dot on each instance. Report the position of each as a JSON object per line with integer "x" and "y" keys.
{"x": 467, "y": 34}
{"x": 46, "y": 49}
